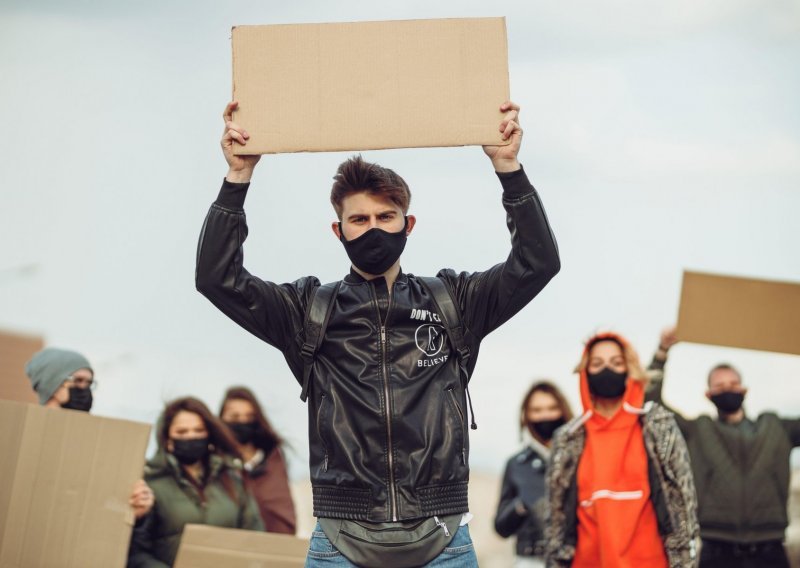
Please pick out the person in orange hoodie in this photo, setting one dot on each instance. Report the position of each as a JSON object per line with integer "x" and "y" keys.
{"x": 621, "y": 491}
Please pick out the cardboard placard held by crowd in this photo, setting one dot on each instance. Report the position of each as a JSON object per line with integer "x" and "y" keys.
{"x": 370, "y": 85}
{"x": 66, "y": 480}
{"x": 15, "y": 350}
{"x": 740, "y": 312}
{"x": 204, "y": 546}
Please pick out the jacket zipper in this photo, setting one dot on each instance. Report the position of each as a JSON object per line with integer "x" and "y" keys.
{"x": 385, "y": 374}
{"x": 319, "y": 433}
{"x": 460, "y": 425}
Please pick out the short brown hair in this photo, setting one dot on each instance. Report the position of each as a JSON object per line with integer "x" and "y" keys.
{"x": 356, "y": 175}
{"x": 266, "y": 438}
{"x": 723, "y": 367}
{"x": 551, "y": 389}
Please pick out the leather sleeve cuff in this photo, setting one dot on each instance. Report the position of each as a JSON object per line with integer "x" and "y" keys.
{"x": 231, "y": 195}
{"x": 515, "y": 184}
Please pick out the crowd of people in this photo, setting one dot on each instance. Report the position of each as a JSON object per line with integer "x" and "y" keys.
{"x": 383, "y": 360}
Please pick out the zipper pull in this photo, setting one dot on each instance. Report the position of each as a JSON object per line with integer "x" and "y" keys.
{"x": 325, "y": 463}
{"x": 383, "y": 334}
{"x": 441, "y": 524}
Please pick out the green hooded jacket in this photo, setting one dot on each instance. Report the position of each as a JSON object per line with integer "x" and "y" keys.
{"x": 178, "y": 502}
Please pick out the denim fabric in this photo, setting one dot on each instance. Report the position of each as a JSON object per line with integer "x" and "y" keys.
{"x": 458, "y": 554}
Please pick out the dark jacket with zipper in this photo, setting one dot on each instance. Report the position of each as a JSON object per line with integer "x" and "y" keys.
{"x": 179, "y": 502}
{"x": 387, "y": 416}
{"x": 524, "y": 489}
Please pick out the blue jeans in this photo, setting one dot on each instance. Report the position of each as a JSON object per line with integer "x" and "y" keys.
{"x": 458, "y": 554}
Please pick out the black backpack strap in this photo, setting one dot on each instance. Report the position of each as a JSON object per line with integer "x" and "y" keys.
{"x": 317, "y": 316}
{"x": 451, "y": 318}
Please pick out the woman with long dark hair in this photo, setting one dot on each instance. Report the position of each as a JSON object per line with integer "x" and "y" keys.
{"x": 264, "y": 465}
{"x": 195, "y": 475}
{"x": 522, "y": 509}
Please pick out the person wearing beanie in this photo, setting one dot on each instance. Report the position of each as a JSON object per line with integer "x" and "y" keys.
{"x": 65, "y": 379}
{"x": 61, "y": 378}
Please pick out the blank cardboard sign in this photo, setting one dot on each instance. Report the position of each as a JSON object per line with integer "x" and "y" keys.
{"x": 65, "y": 481}
{"x": 204, "y": 546}
{"x": 370, "y": 85}
{"x": 740, "y": 312}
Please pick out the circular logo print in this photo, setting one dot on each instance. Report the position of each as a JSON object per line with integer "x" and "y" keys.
{"x": 429, "y": 338}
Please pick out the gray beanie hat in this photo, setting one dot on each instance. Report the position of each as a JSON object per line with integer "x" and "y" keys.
{"x": 50, "y": 367}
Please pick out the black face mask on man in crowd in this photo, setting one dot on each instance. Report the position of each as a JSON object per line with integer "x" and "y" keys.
{"x": 79, "y": 399}
{"x": 375, "y": 251}
{"x": 607, "y": 383}
{"x": 728, "y": 402}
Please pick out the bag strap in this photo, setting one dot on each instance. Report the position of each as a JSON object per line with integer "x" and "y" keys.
{"x": 317, "y": 316}
{"x": 451, "y": 318}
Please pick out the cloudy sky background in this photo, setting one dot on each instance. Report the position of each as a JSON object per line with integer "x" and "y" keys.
{"x": 661, "y": 136}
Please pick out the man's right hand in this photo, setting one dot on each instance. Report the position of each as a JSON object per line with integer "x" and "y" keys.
{"x": 240, "y": 168}
{"x": 669, "y": 337}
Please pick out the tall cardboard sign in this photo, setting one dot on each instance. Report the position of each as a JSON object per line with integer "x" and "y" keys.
{"x": 203, "y": 546}
{"x": 65, "y": 481}
{"x": 370, "y": 85}
{"x": 740, "y": 312}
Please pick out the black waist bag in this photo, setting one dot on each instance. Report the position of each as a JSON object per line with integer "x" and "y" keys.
{"x": 405, "y": 544}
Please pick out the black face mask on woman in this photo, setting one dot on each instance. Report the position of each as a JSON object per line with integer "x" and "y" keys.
{"x": 607, "y": 383}
{"x": 243, "y": 431}
{"x": 545, "y": 428}
{"x": 191, "y": 451}
{"x": 375, "y": 251}
{"x": 79, "y": 399}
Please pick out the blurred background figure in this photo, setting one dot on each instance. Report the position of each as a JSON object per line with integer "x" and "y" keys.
{"x": 62, "y": 379}
{"x": 195, "y": 475}
{"x": 522, "y": 509}
{"x": 264, "y": 464}
{"x": 65, "y": 379}
{"x": 620, "y": 484}
{"x": 741, "y": 467}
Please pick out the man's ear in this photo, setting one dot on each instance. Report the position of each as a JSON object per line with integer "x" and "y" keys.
{"x": 410, "y": 224}
{"x": 336, "y": 230}
{"x": 708, "y": 395}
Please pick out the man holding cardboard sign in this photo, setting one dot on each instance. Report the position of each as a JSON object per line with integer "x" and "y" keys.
{"x": 741, "y": 470}
{"x": 383, "y": 357}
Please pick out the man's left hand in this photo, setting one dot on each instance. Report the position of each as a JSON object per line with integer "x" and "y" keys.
{"x": 504, "y": 158}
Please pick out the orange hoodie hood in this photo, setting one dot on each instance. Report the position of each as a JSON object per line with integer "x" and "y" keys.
{"x": 634, "y": 389}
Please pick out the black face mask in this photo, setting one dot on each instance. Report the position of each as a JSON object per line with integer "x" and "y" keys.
{"x": 375, "y": 251}
{"x": 728, "y": 402}
{"x": 545, "y": 428}
{"x": 607, "y": 383}
{"x": 192, "y": 451}
{"x": 243, "y": 431}
{"x": 79, "y": 399}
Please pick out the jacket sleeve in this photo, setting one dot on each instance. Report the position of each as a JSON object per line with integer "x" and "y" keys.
{"x": 558, "y": 553}
{"x": 507, "y": 521}
{"x": 792, "y": 427}
{"x": 490, "y": 298}
{"x": 281, "y": 516}
{"x": 140, "y": 551}
{"x": 271, "y": 312}
{"x": 655, "y": 374}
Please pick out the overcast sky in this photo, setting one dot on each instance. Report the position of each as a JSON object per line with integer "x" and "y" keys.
{"x": 660, "y": 135}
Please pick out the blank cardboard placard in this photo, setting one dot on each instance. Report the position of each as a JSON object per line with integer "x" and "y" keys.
{"x": 370, "y": 85}
{"x": 66, "y": 480}
{"x": 203, "y": 546}
{"x": 740, "y": 312}
{"x": 15, "y": 350}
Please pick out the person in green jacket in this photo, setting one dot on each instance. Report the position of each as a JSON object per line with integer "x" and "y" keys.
{"x": 741, "y": 470}
{"x": 196, "y": 478}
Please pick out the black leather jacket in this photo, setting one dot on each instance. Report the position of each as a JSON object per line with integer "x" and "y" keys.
{"x": 524, "y": 486}
{"x": 388, "y": 430}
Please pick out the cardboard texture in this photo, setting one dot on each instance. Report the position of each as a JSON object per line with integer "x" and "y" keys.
{"x": 370, "y": 85}
{"x": 66, "y": 480}
{"x": 16, "y": 350}
{"x": 203, "y": 546}
{"x": 740, "y": 312}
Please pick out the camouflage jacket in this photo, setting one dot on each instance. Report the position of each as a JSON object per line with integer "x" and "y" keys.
{"x": 671, "y": 489}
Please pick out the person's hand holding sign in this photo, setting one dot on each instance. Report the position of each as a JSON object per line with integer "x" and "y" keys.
{"x": 504, "y": 158}
{"x": 240, "y": 168}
